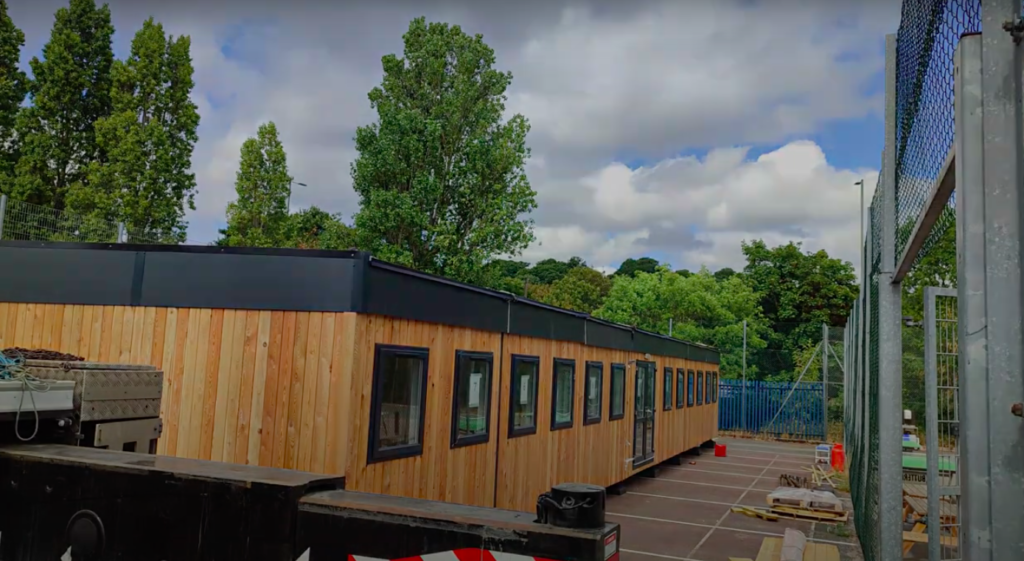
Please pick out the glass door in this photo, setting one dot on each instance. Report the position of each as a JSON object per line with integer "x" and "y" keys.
{"x": 643, "y": 414}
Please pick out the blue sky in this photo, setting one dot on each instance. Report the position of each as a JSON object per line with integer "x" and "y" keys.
{"x": 659, "y": 128}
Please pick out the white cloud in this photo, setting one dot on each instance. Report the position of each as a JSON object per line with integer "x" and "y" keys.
{"x": 701, "y": 209}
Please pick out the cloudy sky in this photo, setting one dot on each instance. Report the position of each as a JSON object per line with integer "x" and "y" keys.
{"x": 672, "y": 129}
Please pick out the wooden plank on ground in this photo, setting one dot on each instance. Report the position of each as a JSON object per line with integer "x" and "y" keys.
{"x": 771, "y": 549}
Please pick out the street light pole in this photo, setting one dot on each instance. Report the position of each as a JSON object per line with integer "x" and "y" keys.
{"x": 288, "y": 204}
{"x": 860, "y": 240}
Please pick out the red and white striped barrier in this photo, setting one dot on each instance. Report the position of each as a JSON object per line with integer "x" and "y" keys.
{"x": 611, "y": 553}
{"x": 466, "y": 554}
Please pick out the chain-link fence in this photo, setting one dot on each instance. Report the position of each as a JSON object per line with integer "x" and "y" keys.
{"x": 899, "y": 358}
{"x": 863, "y": 360}
{"x": 925, "y": 44}
{"x": 793, "y": 392}
{"x": 24, "y": 221}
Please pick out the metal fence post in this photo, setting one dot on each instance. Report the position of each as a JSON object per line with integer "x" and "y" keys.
{"x": 824, "y": 380}
{"x": 970, "y": 256}
{"x": 865, "y": 367}
{"x": 931, "y": 422}
{"x": 743, "y": 398}
{"x": 3, "y": 213}
{"x": 988, "y": 176}
{"x": 890, "y": 376}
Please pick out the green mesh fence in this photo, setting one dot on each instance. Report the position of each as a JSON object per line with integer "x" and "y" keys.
{"x": 861, "y": 416}
{"x": 925, "y": 43}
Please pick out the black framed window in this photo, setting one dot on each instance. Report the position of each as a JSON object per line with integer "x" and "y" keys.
{"x": 700, "y": 387}
{"x": 522, "y": 411}
{"x": 707, "y": 387}
{"x": 399, "y": 401}
{"x": 592, "y": 397}
{"x": 714, "y": 390}
{"x": 680, "y": 388}
{"x": 689, "y": 388}
{"x": 563, "y": 383}
{"x": 617, "y": 407}
{"x": 471, "y": 398}
{"x": 667, "y": 393}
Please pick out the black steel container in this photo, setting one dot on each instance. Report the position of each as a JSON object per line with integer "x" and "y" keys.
{"x": 572, "y": 505}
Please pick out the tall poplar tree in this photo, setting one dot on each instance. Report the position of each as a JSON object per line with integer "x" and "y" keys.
{"x": 13, "y": 87}
{"x": 259, "y": 217}
{"x": 441, "y": 175}
{"x": 70, "y": 91}
{"x": 145, "y": 181}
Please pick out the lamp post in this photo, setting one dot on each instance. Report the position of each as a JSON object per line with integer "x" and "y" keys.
{"x": 288, "y": 204}
{"x": 860, "y": 240}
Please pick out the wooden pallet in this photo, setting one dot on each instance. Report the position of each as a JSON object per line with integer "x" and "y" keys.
{"x": 805, "y": 514}
{"x": 821, "y": 506}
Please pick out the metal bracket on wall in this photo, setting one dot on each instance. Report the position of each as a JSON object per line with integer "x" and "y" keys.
{"x": 1015, "y": 29}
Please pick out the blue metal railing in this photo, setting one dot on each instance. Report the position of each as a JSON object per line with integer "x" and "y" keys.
{"x": 802, "y": 417}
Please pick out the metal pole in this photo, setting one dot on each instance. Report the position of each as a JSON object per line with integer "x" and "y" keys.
{"x": 970, "y": 256}
{"x": 669, "y": 327}
{"x": 743, "y": 400}
{"x": 937, "y": 489}
{"x": 824, "y": 380}
{"x": 890, "y": 352}
{"x": 3, "y": 212}
{"x": 991, "y": 383}
{"x": 865, "y": 368}
{"x": 861, "y": 238}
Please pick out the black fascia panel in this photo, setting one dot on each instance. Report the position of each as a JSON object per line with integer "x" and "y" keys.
{"x": 248, "y": 281}
{"x": 396, "y": 292}
{"x": 532, "y": 319}
{"x": 33, "y": 273}
{"x": 609, "y": 335}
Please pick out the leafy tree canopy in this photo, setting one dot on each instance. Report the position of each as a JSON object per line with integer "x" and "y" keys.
{"x": 582, "y": 289}
{"x": 798, "y": 291}
{"x": 259, "y": 216}
{"x": 13, "y": 88}
{"x": 70, "y": 91}
{"x": 145, "y": 180}
{"x": 440, "y": 178}
{"x": 631, "y": 266}
{"x": 702, "y": 310}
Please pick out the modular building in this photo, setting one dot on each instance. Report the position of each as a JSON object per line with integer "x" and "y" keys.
{"x": 337, "y": 363}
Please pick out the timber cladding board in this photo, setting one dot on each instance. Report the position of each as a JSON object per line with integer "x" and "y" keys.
{"x": 294, "y": 390}
{"x": 253, "y": 387}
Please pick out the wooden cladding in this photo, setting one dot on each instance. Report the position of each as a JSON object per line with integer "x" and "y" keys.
{"x": 295, "y": 390}
{"x": 249, "y": 387}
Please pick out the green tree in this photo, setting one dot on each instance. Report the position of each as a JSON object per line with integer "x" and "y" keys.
{"x": 313, "y": 228}
{"x": 146, "y": 182}
{"x": 702, "y": 310}
{"x": 549, "y": 271}
{"x": 440, "y": 178}
{"x": 70, "y": 91}
{"x": 631, "y": 266}
{"x": 582, "y": 289}
{"x": 936, "y": 266}
{"x": 259, "y": 217}
{"x": 798, "y": 292}
{"x": 724, "y": 273}
{"x": 13, "y": 88}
